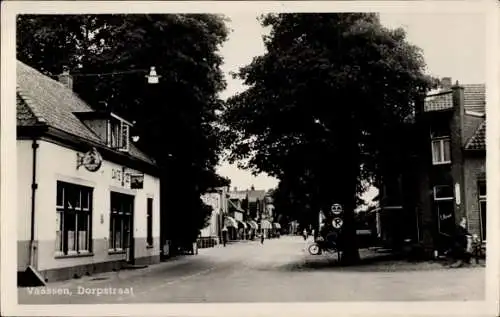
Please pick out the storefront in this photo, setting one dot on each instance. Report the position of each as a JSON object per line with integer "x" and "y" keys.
{"x": 84, "y": 206}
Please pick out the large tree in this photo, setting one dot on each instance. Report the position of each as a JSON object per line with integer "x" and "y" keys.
{"x": 177, "y": 119}
{"x": 321, "y": 104}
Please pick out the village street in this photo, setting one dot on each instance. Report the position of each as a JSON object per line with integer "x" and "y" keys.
{"x": 278, "y": 271}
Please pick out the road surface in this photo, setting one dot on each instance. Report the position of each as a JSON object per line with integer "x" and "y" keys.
{"x": 278, "y": 271}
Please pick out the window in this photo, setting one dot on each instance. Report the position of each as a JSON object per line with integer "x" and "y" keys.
{"x": 443, "y": 192}
{"x": 150, "y": 222}
{"x": 441, "y": 151}
{"x": 119, "y": 134}
{"x": 120, "y": 221}
{"x": 446, "y": 219}
{"x": 74, "y": 219}
{"x": 482, "y": 208}
{"x": 443, "y": 202}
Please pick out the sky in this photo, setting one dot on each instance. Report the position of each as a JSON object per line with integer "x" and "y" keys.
{"x": 454, "y": 45}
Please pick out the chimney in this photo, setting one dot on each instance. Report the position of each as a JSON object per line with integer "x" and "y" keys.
{"x": 446, "y": 83}
{"x": 65, "y": 78}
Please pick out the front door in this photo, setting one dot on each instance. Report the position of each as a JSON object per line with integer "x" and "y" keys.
{"x": 122, "y": 224}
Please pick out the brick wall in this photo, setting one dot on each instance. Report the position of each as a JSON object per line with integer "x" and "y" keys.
{"x": 474, "y": 169}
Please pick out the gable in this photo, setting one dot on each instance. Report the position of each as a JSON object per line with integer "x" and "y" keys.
{"x": 478, "y": 140}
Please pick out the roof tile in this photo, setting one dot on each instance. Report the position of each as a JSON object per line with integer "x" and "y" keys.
{"x": 47, "y": 100}
{"x": 439, "y": 101}
{"x": 478, "y": 140}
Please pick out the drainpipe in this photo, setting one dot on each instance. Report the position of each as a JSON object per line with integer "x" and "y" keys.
{"x": 34, "y": 187}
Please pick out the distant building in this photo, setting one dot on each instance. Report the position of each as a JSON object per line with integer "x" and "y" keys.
{"x": 218, "y": 200}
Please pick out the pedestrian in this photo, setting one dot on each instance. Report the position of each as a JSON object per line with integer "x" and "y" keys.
{"x": 224, "y": 236}
{"x": 460, "y": 248}
{"x": 304, "y": 233}
{"x": 262, "y": 238}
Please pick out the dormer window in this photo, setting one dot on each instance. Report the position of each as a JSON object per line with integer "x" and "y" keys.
{"x": 119, "y": 134}
{"x": 110, "y": 128}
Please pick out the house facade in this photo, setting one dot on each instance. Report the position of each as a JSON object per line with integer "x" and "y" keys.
{"x": 212, "y": 233}
{"x": 88, "y": 198}
{"x": 456, "y": 120}
{"x": 447, "y": 181}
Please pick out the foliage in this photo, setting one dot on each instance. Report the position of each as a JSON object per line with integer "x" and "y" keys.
{"x": 176, "y": 119}
{"x": 324, "y": 103}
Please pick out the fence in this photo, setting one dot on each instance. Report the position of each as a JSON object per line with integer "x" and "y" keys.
{"x": 207, "y": 242}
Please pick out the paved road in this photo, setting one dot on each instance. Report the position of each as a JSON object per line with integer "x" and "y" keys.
{"x": 278, "y": 271}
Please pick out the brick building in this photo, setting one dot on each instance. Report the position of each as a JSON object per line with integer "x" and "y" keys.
{"x": 456, "y": 120}
{"x": 447, "y": 178}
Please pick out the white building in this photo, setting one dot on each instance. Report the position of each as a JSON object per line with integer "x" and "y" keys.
{"x": 88, "y": 198}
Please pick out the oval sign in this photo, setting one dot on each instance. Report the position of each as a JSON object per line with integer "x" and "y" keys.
{"x": 337, "y": 223}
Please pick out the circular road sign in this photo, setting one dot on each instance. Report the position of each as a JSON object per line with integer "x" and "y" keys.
{"x": 337, "y": 223}
{"x": 336, "y": 209}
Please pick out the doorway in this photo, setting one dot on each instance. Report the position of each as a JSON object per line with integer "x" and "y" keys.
{"x": 121, "y": 225}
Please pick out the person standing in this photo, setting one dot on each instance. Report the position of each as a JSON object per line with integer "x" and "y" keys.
{"x": 460, "y": 247}
{"x": 262, "y": 237}
{"x": 224, "y": 236}
{"x": 304, "y": 234}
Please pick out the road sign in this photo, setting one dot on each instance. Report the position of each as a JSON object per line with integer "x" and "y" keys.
{"x": 336, "y": 209}
{"x": 337, "y": 223}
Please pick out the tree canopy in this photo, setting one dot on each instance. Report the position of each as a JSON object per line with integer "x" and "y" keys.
{"x": 325, "y": 106}
{"x": 177, "y": 119}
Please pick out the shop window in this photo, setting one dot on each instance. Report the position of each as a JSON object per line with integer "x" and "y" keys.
{"x": 446, "y": 219}
{"x": 441, "y": 153}
{"x": 73, "y": 219}
{"x": 120, "y": 221}
{"x": 150, "y": 222}
{"x": 443, "y": 202}
{"x": 482, "y": 208}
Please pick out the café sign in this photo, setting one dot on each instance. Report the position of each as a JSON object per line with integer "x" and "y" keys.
{"x": 134, "y": 180}
{"x": 92, "y": 160}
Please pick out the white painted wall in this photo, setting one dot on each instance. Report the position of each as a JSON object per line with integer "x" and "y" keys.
{"x": 59, "y": 163}
{"x": 24, "y": 176}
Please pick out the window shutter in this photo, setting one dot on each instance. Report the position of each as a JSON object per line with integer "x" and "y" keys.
{"x": 124, "y": 137}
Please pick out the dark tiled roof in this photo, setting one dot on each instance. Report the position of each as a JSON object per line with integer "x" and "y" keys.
{"x": 42, "y": 99}
{"x": 475, "y": 97}
{"x": 25, "y": 117}
{"x": 439, "y": 101}
{"x": 478, "y": 140}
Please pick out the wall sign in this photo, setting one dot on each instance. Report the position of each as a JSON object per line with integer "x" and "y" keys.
{"x": 137, "y": 181}
{"x": 92, "y": 160}
{"x": 457, "y": 193}
{"x": 120, "y": 175}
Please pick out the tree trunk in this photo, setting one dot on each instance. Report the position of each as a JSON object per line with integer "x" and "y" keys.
{"x": 350, "y": 251}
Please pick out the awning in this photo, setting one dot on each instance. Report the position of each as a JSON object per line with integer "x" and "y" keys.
{"x": 235, "y": 206}
{"x": 277, "y": 225}
{"x": 243, "y": 224}
{"x": 253, "y": 224}
{"x": 265, "y": 224}
{"x": 230, "y": 222}
{"x": 385, "y": 208}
